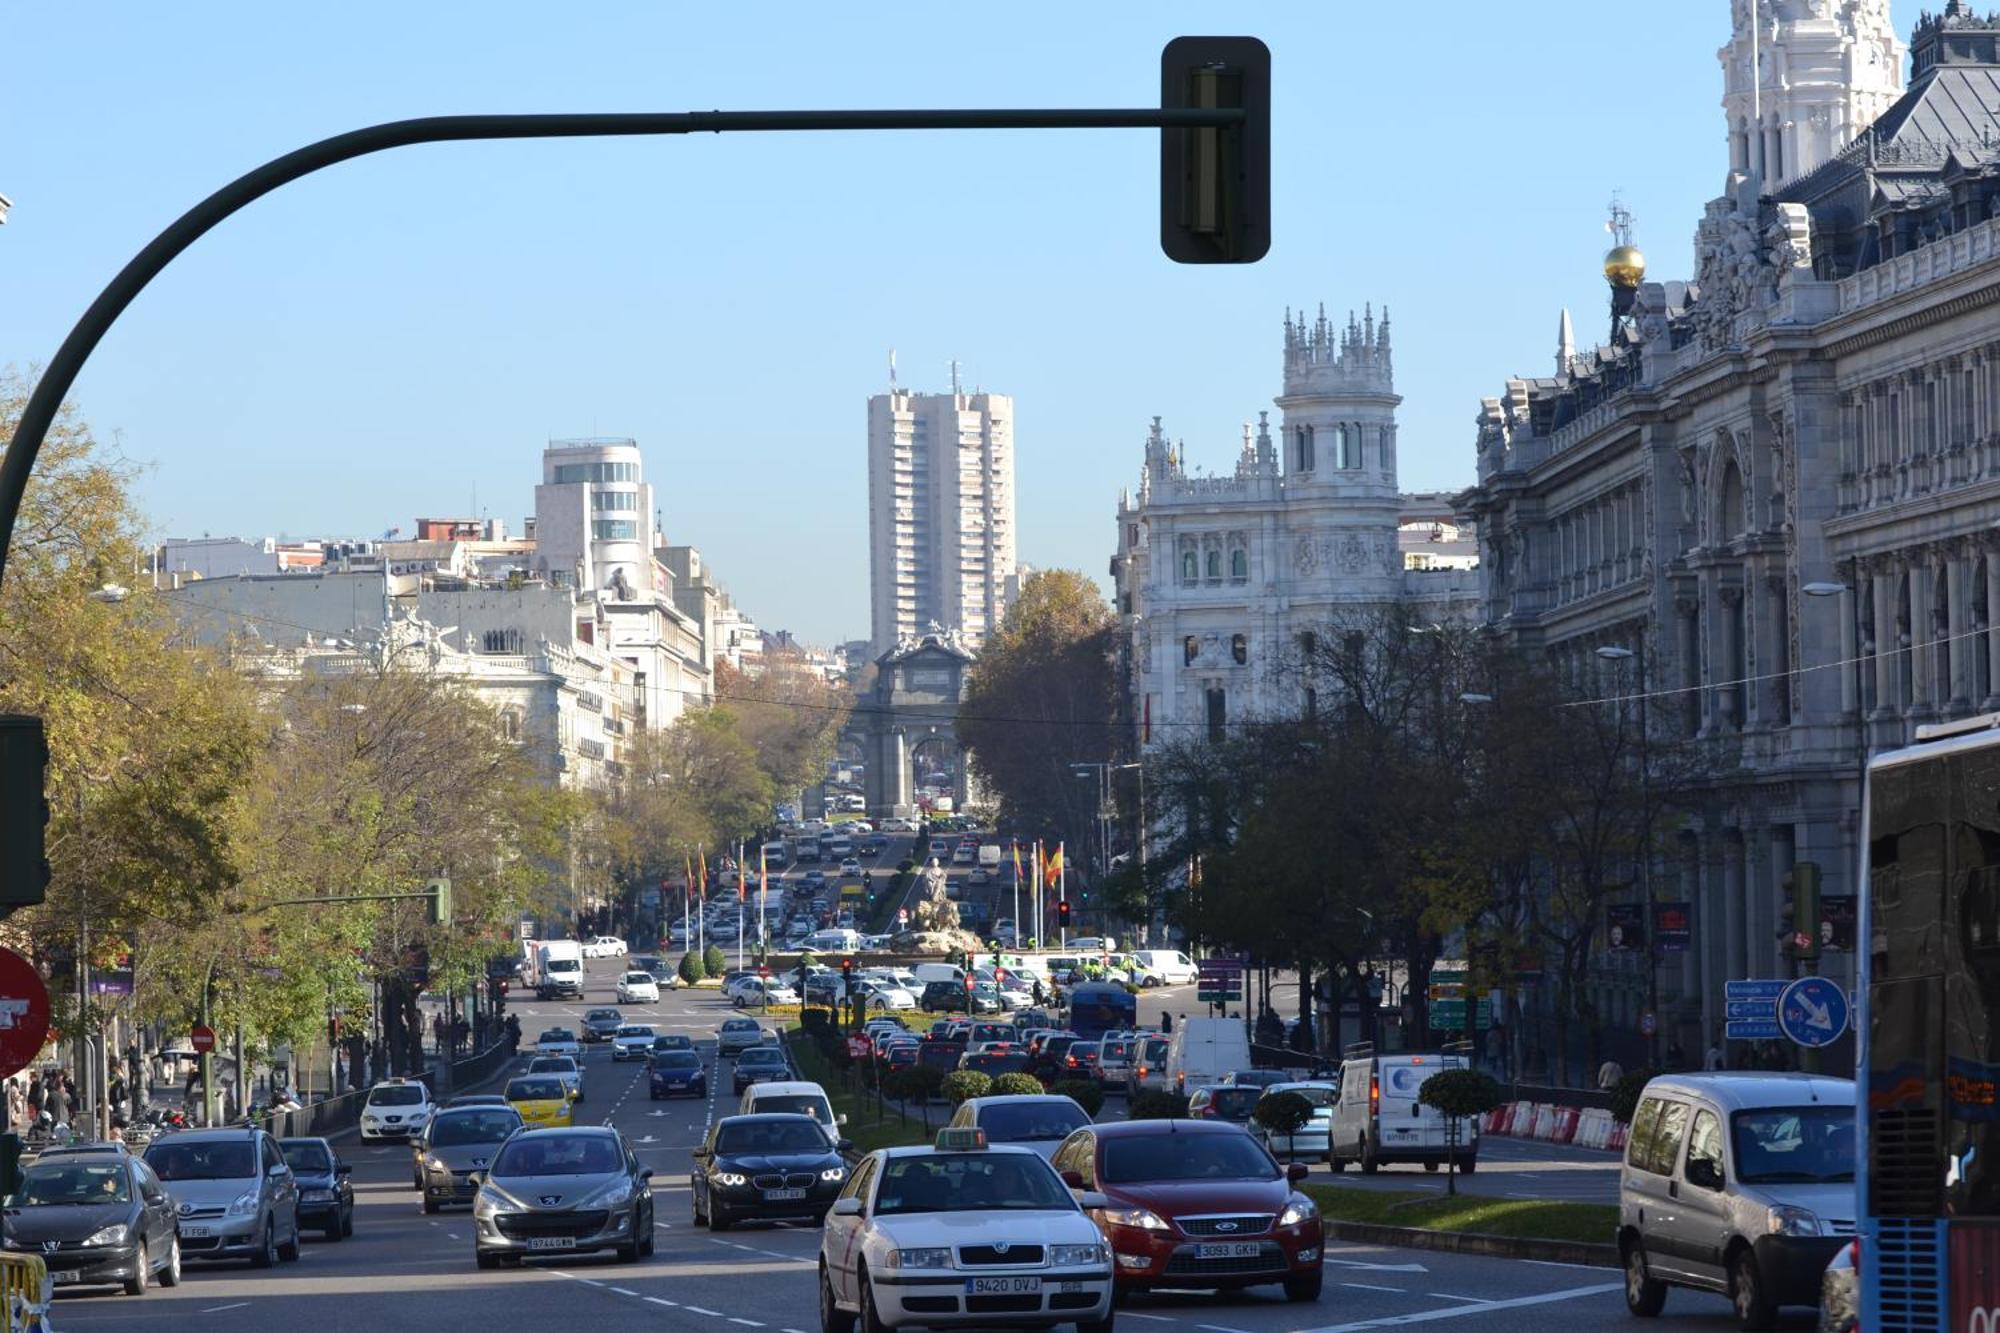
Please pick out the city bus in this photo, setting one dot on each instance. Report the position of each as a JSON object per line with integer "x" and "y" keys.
{"x": 1928, "y": 1178}
{"x": 1096, "y": 1008}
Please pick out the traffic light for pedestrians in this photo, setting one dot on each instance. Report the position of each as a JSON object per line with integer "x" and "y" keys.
{"x": 1215, "y": 183}
{"x": 1799, "y": 924}
{"x": 1062, "y": 914}
{"x": 24, "y": 812}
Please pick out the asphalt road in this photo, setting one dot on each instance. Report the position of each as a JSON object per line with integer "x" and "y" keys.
{"x": 402, "y": 1270}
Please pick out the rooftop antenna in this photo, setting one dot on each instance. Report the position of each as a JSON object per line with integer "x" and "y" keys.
{"x": 954, "y": 377}
{"x": 892, "y": 368}
{"x": 1620, "y": 224}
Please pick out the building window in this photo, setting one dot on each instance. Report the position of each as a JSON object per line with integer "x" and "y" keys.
{"x": 1190, "y": 649}
{"x": 1190, "y": 566}
{"x": 1239, "y": 648}
{"x": 1239, "y": 564}
{"x": 1218, "y": 713}
{"x": 619, "y": 501}
{"x": 570, "y": 474}
{"x": 510, "y": 724}
{"x": 1214, "y": 565}
{"x": 1350, "y": 447}
{"x": 1312, "y": 703}
{"x": 1131, "y": 534}
{"x": 1303, "y": 438}
{"x": 500, "y": 641}
{"x": 615, "y": 529}
{"x": 1308, "y": 644}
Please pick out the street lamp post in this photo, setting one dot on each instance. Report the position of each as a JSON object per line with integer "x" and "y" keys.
{"x": 1614, "y": 653}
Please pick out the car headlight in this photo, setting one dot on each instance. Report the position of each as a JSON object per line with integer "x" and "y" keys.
{"x": 928, "y": 1258}
{"x": 1300, "y": 1209}
{"x": 1788, "y": 1220}
{"x": 834, "y": 1173}
{"x": 615, "y": 1195}
{"x": 1143, "y": 1218}
{"x": 731, "y": 1179}
{"x": 245, "y": 1204}
{"x": 112, "y": 1235}
{"x": 1065, "y": 1256}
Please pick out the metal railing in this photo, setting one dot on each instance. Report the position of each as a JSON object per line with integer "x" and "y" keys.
{"x": 25, "y": 1290}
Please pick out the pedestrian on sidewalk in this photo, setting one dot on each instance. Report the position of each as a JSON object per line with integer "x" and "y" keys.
{"x": 1609, "y": 1075}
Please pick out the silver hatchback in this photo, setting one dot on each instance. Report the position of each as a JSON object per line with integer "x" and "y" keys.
{"x": 562, "y": 1191}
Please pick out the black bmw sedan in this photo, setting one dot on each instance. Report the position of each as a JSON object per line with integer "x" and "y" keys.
{"x": 766, "y": 1167}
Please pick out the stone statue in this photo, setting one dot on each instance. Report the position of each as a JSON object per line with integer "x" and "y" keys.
{"x": 935, "y": 911}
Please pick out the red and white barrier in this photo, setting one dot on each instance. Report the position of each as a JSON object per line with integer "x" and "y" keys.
{"x": 1581, "y": 1127}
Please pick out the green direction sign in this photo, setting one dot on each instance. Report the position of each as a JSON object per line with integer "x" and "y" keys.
{"x": 1449, "y": 1015}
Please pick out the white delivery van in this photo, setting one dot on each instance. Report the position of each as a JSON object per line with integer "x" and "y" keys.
{"x": 777, "y": 855}
{"x": 1164, "y": 967}
{"x": 560, "y": 976}
{"x": 929, "y": 972}
{"x": 1202, "y": 1050}
{"x": 989, "y": 855}
{"x": 834, "y": 941}
{"x": 1379, "y": 1118}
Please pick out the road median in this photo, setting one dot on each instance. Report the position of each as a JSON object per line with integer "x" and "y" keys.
{"x": 1551, "y": 1230}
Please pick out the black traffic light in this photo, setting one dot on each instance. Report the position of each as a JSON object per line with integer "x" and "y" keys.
{"x": 846, "y": 972}
{"x": 1062, "y": 914}
{"x": 1215, "y": 183}
{"x": 24, "y": 812}
{"x": 1799, "y": 923}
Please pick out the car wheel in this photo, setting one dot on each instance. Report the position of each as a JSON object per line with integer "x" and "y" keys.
{"x": 1754, "y": 1309}
{"x": 289, "y": 1251}
{"x": 718, "y": 1217}
{"x": 1467, "y": 1165}
{"x": 1306, "y": 1286}
{"x": 871, "y": 1322}
{"x": 170, "y": 1271}
{"x": 142, "y": 1270}
{"x": 1334, "y": 1161}
{"x": 485, "y": 1260}
{"x": 1645, "y": 1295}
{"x": 646, "y": 1237}
{"x": 832, "y": 1319}
{"x": 1103, "y": 1325}
{"x": 1430, "y": 1166}
{"x": 267, "y": 1246}
{"x": 335, "y": 1227}
{"x": 1369, "y": 1166}
{"x": 430, "y": 1205}
{"x": 347, "y": 1221}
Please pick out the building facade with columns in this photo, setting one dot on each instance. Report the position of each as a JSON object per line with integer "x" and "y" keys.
{"x": 1778, "y": 484}
{"x": 1221, "y": 580}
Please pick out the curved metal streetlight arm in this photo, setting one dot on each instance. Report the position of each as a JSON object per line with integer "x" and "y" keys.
{"x": 56, "y": 380}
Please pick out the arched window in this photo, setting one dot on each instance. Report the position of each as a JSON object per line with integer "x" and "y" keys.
{"x": 1239, "y": 564}
{"x": 1190, "y": 566}
{"x": 1215, "y": 563}
{"x": 1190, "y": 649}
{"x": 1340, "y": 446}
{"x": 1218, "y": 714}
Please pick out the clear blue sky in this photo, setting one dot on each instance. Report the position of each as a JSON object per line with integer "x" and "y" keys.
{"x": 394, "y": 336}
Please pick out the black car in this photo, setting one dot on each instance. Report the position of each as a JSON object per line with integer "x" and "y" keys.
{"x": 995, "y": 1063}
{"x": 945, "y": 997}
{"x": 96, "y": 1219}
{"x": 669, "y": 1073}
{"x": 326, "y": 1194}
{"x": 760, "y": 1064}
{"x": 942, "y": 1056}
{"x": 766, "y": 1166}
{"x": 602, "y": 1024}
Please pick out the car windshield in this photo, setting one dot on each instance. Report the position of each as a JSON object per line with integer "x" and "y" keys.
{"x": 1131, "y": 1159}
{"x": 647, "y": 1033}
{"x": 638, "y": 978}
{"x": 676, "y": 1060}
{"x": 673, "y": 1044}
{"x": 551, "y": 1064}
{"x": 534, "y": 1090}
{"x": 969, "y": 1182}
{"x": 73, "y": 1182}
{"x": 408, "y": 1094}
{"x": 740, "y": 1025}
{"x": 232, "y": 1159}
{"x": 1785, "y": 1145}
{"x": 1022, "y": 1122}
{"x": 1237, "y": 1103}
{"x": 545, "y": 1154}
{"x": 762, "y": 1055}
{"x": 602, "y": 1016}
{"x": 800, "y": 1104}
{"x": 474, "y": 1127}
{"x": 558, "y": 1034}
{"x": 308, "y": 1158}
{"x": 764, "y": 1136}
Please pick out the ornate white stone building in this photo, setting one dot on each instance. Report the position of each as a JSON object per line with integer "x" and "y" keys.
{"x": 1778, "y": 485}
{"x": 1219, "y": 578}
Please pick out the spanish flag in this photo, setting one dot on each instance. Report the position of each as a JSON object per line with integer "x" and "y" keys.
{"x": 1017, "y": 862}
{"x": 1055, "y": 867}
{"x": 701, "y": 870}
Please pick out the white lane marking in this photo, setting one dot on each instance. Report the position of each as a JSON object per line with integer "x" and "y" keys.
{"x": 218, "y": 1309}
{"x": 747, "y": 1323}
{"x": 1456, "y": 1311}
{"x": 1557, "y": 1263}
{"x": 1370, "y": 1286}
{"x": 1156, "y": 1318}
{"x": 1448, "y": 1296}
{"x": 1378, "y": 1268}
{"x": 1222, "y": 1328}
{"x": 451, "y": 1235}
{"x": 590, "y": 1281}
{"x": 696, "y": 1309}
{"x": 661, "y": 1300}
{"x": 624, "y": 1292}
{"x": 559, "y": 1273}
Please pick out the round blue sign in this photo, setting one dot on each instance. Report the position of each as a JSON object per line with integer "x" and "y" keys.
{"x": 1812, "y": 1011}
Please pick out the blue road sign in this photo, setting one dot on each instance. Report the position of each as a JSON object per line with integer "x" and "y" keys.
{"x": 1813, "y": 1011}
{"x": 1766, "y": 1010}
{"x": 1750, "y": 1029}
{"x": 1754, "y": 990}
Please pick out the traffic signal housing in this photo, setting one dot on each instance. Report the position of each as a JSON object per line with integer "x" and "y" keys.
{"x": 1215, "y": 182}
{"x": 438, "y": 905}
{"x": 1799, "y": 914}
{"x": 1062, "y": 914}
{"x": 24, "y": 812}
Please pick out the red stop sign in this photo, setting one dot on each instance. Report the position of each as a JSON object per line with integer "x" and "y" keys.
{"x": 202, "y": 1039}
{"x": 24, "y": 1013}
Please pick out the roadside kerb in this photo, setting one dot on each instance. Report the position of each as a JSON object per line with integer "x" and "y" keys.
{"x": 1591, "y": 1254}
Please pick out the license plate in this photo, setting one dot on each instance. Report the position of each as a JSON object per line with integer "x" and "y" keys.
{"x": 1234, "y": 1249}
{"x": 1003, "y": 1286}
{"x": 552, "y": 1242}
{"x": 62, "y": 1275}
{"x": 196, "y": 1233}
{"x": 779, "y": 1196}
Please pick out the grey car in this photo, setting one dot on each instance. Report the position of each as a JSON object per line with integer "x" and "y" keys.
{"x": 561, "y": 1192}
{"x": 233, "y": 1193}
{"x": 459, "y": 1142}
{"x": 737, "y": 1035}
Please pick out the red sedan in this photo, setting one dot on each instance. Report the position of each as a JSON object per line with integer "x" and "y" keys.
{"x": 1196, "y": 1203}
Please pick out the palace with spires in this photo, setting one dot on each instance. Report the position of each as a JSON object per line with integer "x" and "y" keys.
{"x": 1222, "y": 580}
{"x": 1773, "y": 493}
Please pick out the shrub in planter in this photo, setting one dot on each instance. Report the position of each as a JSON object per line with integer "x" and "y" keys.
{"x": 1157, "y": 1105}
{"x": 963, "y": 1084}
{"x": 1016, "y": 1085}
{"x": 691, "y": 969}
{"x": 1283, "y": 1113}
{"x": 1084, "y": 1092}
{"x": 713, "y": 962}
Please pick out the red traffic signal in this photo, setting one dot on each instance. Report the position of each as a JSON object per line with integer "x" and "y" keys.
{"x": 1062, "y": 912}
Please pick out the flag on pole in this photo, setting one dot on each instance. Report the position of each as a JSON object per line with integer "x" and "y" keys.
{"x": 1055, "y": 867}
{"x": 1017, "y": 866}
{"x": 701, "y": 869}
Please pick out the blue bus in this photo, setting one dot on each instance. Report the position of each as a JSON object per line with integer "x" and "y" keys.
{"x": 1929, "y": 1050}
{"x": 1098, "y": 1007}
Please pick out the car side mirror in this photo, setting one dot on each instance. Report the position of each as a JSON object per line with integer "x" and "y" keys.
{"x": 843, "y": 1145}
{"x": 1073, "y": 1179}
{"x": 343, "y": 1169}
{"x": 1297, "y": 1172}
{"x": 840, "y": 1119}
{"x": 1092, "y": 1199}
{"x": 645, "y": 1173}
{"x": 847, "y": 1207}
{"x": 475, "y": 1178}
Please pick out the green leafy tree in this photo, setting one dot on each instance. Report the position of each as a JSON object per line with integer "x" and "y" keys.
{"x": 1016, "y": 1085}
{"x": 691, "y": 969}
{"x": 964, "y": 1084}
{"x": 1459, "y": 1094}
{"x": 1282, "y": 1114}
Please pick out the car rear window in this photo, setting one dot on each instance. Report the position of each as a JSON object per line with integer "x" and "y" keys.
{"x": 796, "y": 1104}
{"x": 1020, "y": 1122}
{"x": 486, "y": 1126}
{"x": 534, "y": 1090}
{"x": 1236, "y": 1102}
{"x": 675, "y": 1059}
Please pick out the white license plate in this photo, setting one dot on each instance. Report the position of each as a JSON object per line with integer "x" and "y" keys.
{"x": 1234, "y": 1249}
{"x": 196, "y": 1233}
{"x": 552, "y": 1242}
{"x": 1003, "y": 1286}
{"x": 779, "y": 1196}
{"x": 62, "y": 1275}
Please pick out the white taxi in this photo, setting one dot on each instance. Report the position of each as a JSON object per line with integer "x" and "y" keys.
{"x": 962, "y": 1233}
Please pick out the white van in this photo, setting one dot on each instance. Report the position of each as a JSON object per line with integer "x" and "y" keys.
{"x": 1737, "y": 1183}
{"x": 1164, "y": 967}
{"x": 777, "y": 855}
{"x": 1202, "y": 1050}
{"x": 1379, "y": 1118}
{"x": 834, "y": 941}
{"x": 929, "y": 972}
{"x": 808, "y": 1099}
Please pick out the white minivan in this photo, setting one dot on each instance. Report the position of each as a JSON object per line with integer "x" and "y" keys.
{"x": 834, "y": 941}
{"x": 1202, "y": 1050}
{"x": 1379, "y": 1119}
{"x": 1163, "y": 967}
{"x": 1737, "y": 1183}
